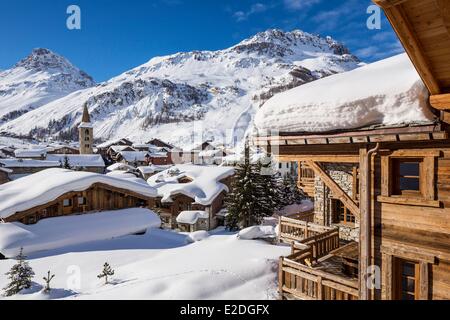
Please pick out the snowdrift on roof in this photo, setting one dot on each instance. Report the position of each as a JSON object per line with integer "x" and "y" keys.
{"x": 59, "y": 232}
{"x": 48, "y": 185}
{"x": 387, "y": 92}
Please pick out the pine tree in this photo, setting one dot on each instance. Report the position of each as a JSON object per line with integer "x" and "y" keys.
{"x": 66, "y": 163}
{"x": 240, "y": 201}
{"x": 19, "y": 276}
{"x": 286, "y": 191}
{"x": 297, "y": 195}
{"x": 254, "y": 195}
{"x": 106, "y": 272}
{"x": 47, "y": 280}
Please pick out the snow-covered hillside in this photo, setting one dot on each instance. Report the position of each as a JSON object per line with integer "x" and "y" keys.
{"x": 222, "y": 89}
{"x": 38, "y": 79}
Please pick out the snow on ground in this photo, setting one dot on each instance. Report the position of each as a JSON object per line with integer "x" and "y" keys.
{"x": 387, "y": 92}
{"x": 257, "y": 232}
{"x": 62, "y": 231}
{"x": 160, "y": 265}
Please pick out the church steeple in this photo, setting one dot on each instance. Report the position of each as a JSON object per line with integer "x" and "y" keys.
{"x": 86, "y": 117}
{"x": 86, "y": 133}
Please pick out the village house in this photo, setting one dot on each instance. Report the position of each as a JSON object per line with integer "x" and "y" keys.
{"x": 32, "y": 153}
{"x": 80, "y": 162}
{"x": 161, "y": 144}
{"x": 381, "y": 188}
{"x": 150, "y": 170}
{"x": 4, "y": 174}
{"x": 23, "y": 167}
{"x": 62, "y": 149}
{"x": 190, "y": 196}
{"x": 133, "y": 158}
{"x": 61, "y": 192}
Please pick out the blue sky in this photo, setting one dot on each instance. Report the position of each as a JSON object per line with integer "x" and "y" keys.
{"x": 119, "y": 35}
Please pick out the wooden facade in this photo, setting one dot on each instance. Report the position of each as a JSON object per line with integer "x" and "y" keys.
{"x": 98, "y": 197}
{"x": 400, "y": 194}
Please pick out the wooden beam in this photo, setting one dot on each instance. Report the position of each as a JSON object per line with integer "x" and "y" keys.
{"x": 424, "y": 276}
{"x": 385, "y": 4}
{"x": 440, "y": 101}
{"x": 405, "y": 32}
{"x": 443, "y": 6}
{"x": 320, "y": 158}
{"x": 337, "y": 190}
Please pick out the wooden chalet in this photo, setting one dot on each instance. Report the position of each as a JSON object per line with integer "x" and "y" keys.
{"x": 59, "y": 192}
{"x": 382, "y": 195}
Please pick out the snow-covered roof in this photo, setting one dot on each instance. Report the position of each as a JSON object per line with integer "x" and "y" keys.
{"x": 387, "y": 92}
{"x": 30, "y": 153}
{"x": 131, "y": 156}
{"x": 127, "y": 176}
{"x": 28, "y": 163}
{"x": 191, "y": 217}
{"x": 86, "y": 125}
{"x": 6, "y": 170}
{"x": 119, "y": 148}
{"x": 79, "y": 160}
{"x": 58, "y": 232}
{"x": 204, "y": 187}
{"x": 47, "y": 185}
{"x": 118, "y": 166}
{"x": 153, "y": 168}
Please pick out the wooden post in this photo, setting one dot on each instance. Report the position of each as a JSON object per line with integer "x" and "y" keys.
{"x": 362, "y": 227}
{"x": 424, "y": 273}
{"x": 280, "y": 278}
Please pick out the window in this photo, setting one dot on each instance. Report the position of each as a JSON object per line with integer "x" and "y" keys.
{"x": 406, "y": 280}
{"x": 342, "y": 214}
{"x": 67, "y": 203}
{"x": 86, "y": 131}
{"x": 406, "y": 174}
{"x": 409, "y": 177}
{"x": 81, "y": 201}
{"x": 87, "y": 138}
{"x": 88, "y": 146}
{"x": 280, "y": 165}
{"x": 31, "y": 220}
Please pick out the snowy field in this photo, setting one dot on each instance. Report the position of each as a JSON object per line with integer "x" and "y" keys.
{"x": 158, "y": 265}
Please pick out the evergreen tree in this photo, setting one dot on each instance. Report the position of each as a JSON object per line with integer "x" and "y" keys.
{"x": 47, "y": 280}
{"x": 19, "y": 276}
{"x": 254, "y": 194}
{"x": 106, "y": 272}
{"x": 286, "y": 191}
{"x": 297, "y": 195}
{"x": 66, "y": 163}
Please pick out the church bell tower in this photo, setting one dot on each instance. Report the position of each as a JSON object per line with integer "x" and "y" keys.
{"x": 86, "y": 133}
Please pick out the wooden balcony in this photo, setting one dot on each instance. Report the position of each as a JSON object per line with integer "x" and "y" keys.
{"x": 307, "y": 186}
{"x": 312, "y": 271}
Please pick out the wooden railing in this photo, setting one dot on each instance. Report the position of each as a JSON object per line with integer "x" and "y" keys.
{"x": 298, "y": 277}
{"x": 321, "y": 244}
{"x": 307, "y": 186}
{"x": 298, "y": 230}
{"x": 305, "y": 283}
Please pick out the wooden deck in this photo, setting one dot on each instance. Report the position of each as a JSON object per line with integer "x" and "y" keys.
{"x": 311, "y": 271}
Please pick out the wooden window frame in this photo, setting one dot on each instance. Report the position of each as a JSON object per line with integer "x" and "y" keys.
{"x": 427, "y": 178}
{"x": 336, "y": 215}
{"x": 390, "y": 256}
{"x": 398, "y": 287}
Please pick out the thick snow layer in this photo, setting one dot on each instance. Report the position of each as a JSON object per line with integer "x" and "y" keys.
{"x": 48, "y": 185}
{"x": 257, "y": 232}
{"x": 120, "y": 167}
{"x": 388, "y": 92}
{"x": 191, "y": 217}
{"x": 30, "y": 153}
{"x": 29, "y": 163}
{"x": 197, "y": 236}
{"x": 58, "y": 232}
{"x": 129, "y": 176}
{"x": 203, "y": 188}
{"x": 160, "y": 265}
{"x": 153, "y": 168}
{"x": 131, "y": 156}
{"x": 79, "y": 160}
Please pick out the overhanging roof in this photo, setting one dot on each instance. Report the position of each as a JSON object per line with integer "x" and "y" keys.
{"x": 423, "y": 27}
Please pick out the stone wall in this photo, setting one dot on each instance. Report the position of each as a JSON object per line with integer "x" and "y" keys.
{"x": 342, "y": 174}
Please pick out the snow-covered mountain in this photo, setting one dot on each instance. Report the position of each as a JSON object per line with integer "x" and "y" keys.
{"x": 36, "y": 80}
{"x": 222, "y": 90}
